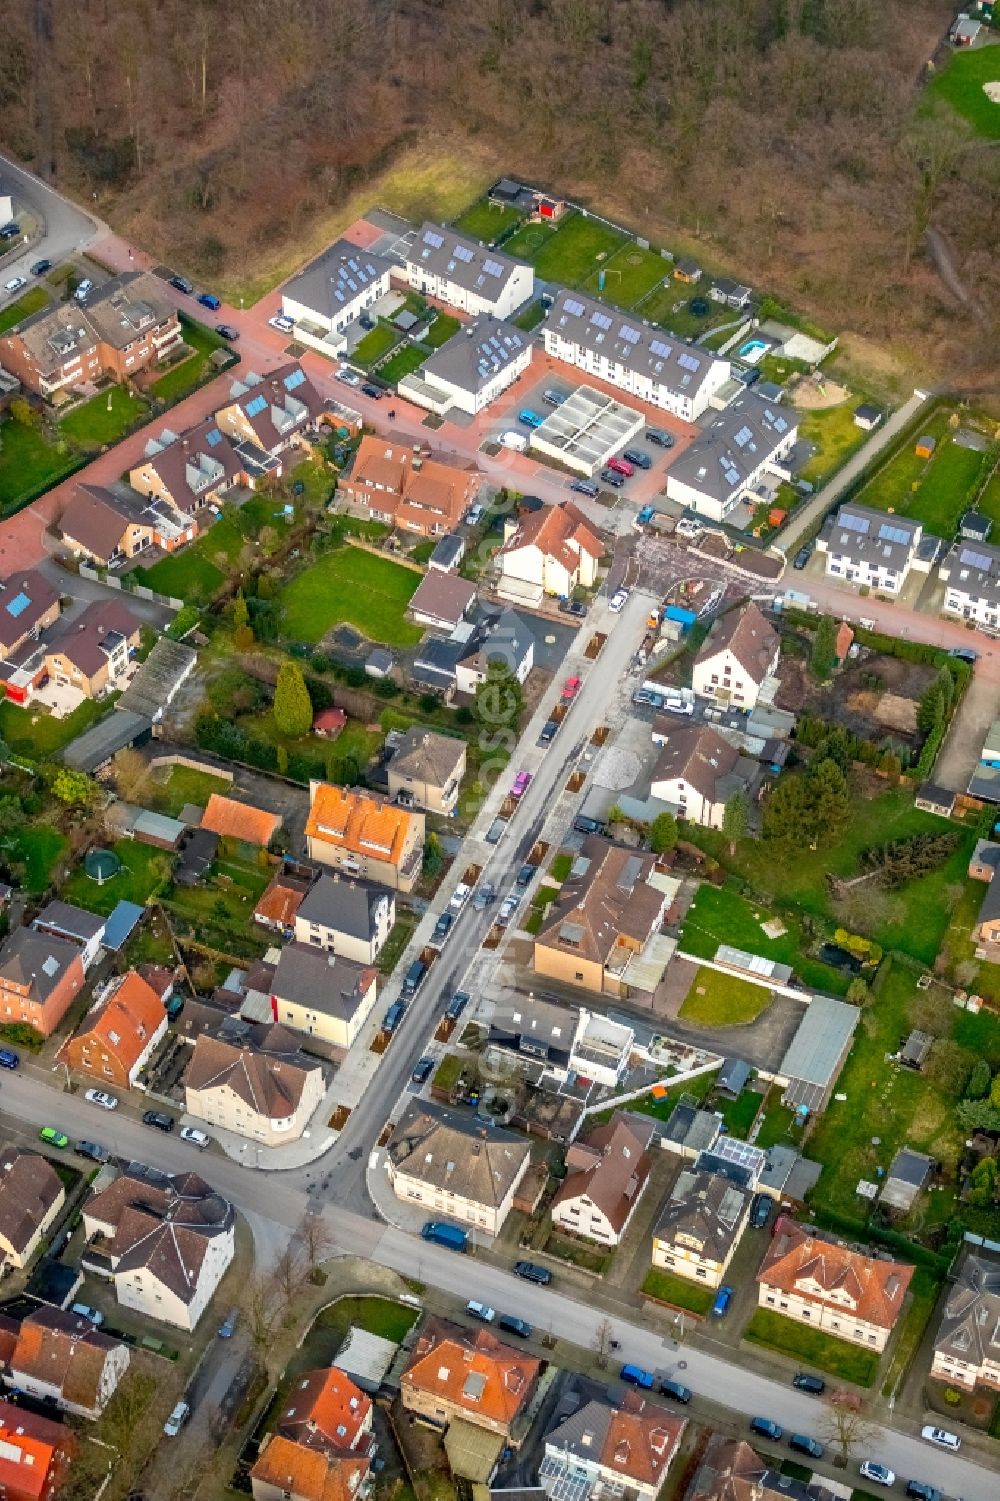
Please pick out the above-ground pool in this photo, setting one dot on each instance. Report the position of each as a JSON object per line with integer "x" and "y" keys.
{"x": 753, "y": 351}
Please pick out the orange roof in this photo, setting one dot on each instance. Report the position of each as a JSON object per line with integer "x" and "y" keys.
{"x": 327, "y": 1406}
{"x": 124, "y": 1024}
{"x": 412, "y": 488}
{"x": 232, "y": 820}
{"x": 641, "y": 1440}
{"x": 561, "y": 531}
{"x": 358, "y": 821}
{"x": 486, "y": 1379}
{"x": 30, "y": 1447}
{"x": 825, "y": 1272}
{"x": 280, "y": 901}
{"x": 309, "y": 1473}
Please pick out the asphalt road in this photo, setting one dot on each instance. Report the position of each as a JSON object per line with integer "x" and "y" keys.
{"x": 67, "y": 228}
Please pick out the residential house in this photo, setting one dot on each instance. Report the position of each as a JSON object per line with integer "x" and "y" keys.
{"x": 268, "y": 415}
{"x": 471, "y": 1378}
{"x": 697, "y": 773}
{"x": 606, "y": 1176}
{"x": 741, "y": 457}
{"x": 441, "y": 600}
{"x": 971, "y": 574}
{"x": 653, "y": 365}
{"x": 63, "y": 920}
{"x": 325, "y": 1409}
{"x": 729, "y": 1470}
{"x": 35, "y": 1455}
{"x": 967, "y": 1342}
{"x": 363, "y": 834}
{"x": 697, "y": 1234}
{"x": 268, "y": 1092}
{"x": 392, "y": 483}
{"x": 601, "y": 926}
{"x": 231, "y": 819}
{"x": 531, "y": 1033}
{"x": 736, "y": 658}
{"x": 872, "y": 549}
{"x": 92, "y": 654}
{"x": 332, "y": 292}
{"x": 448, "y": 1167}
{"x": 815, "y": 1280}
{"x": 188, "y": 472}
{"x": 280, "y": 902}
{"x": 60, "y": 1357}
{"x": 127, "y": 325}
{"x": 505, "y": 638}
{"x": 99, "y": 526}
{"x": 347, "y": 918}
{"x": 39, "y": 978}
{"x": 118, "y": 1037}
{"x": 31, "y": 1196}
{"x": 601, "y": 1452}
{"x": 472, "y": 370}
{"x": 444, "y": 264}
{"x": 316, "y": 991}
{"x": 426, "y": 770}
{"x": 551, "y": 551}
{"x": 288, "y": 1471}
{"x": 29, "y": 604}
{"x": 164, "y": 1240}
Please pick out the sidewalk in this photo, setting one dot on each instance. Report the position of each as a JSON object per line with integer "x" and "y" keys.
{"x": 314, "y": 1141}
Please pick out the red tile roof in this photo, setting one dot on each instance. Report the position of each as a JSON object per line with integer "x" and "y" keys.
{"x": 481, "y": 1376}
{"x": 235, "y": 820}
{"x": 325, "y": 1407}
{"x": 31, "y": 1450}
{"x": 122, "y": 1026}
{"x": 826, "y": 1272}
{"x": 308, "y": 1474}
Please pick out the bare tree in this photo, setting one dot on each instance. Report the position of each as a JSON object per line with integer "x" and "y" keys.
{"x": 844, "y": 1426}
{"x": 289, "y": 1272}
{"x": 260, "y": 1310}
{"x": 603, "y": 1340}
{"x": 315, "y": 1238}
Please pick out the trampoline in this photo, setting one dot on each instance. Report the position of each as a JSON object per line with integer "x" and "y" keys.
{"x": 101, "y": 865}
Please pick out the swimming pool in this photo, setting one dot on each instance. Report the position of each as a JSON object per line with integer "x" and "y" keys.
{"x": 753, "y": 351}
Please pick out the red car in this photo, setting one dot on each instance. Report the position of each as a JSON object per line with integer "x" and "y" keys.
{"x": 571, "y": 688}
{"x": 621, "y": 466}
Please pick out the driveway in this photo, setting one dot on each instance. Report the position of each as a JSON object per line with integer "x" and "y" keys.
{"x": 964, "y": 742}
{"x": 64, "y": 227}
{"x": 86, "y": 591}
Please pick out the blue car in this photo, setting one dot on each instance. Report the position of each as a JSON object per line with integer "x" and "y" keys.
{"x": 530, "y": 418}
{"x": 723, "y": 1298}
{"x": 209, "y": 299}
{"x": 766, "y": 1428}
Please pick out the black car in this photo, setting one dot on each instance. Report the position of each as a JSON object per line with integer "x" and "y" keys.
{"x": 766, "y": 1428}
{"x": 227, "y": 331}
{"x": 574, "y": 607}
{"x": 40, "y": 268}
{"x": 10, "y": 231}
{"x": 802, "y": 556}
{"x": 964, "y": 654}
{"x": 443, "y": 926}
{"x": 531, "y": 1272}
{"x": 423, "y": 1070}
{"x": 806, "y": 1382}
{"x": 587, "y": 825}
{"x": 457, "y": 1005}
{"x": 760, "y": 1210}
{"x": 158, "y": 1118}
{"x": 658, "y": 436}
{"x": 803, "y": 1444}
{"x": 677, "y": 1390}
{"x": 92, "y": 1150}
{"x": 613, "y": 478}
{"x": 640, "y": 460}
{"x": 511, "y": 1325}
{"x": 549, "y": 731}
{"x": 375, "y": 392}
{"x": 919, "y": 1490}
{"x": 525, "y": 875}
{"x": 585, "y": 487}
{"x": 182, "y": 284}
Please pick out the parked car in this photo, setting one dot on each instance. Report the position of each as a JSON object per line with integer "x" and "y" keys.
{"x": 158, "y": 1119}
{"x": 688, "y": 527}
{"x": 177, "y": 1419}
{"x": 442, "y": 927}
{"x": 393, "y": 1016}
{"x": 481, "y": 1311}
{"x": 529, "y": 1271}
{"x": 881, "y": 1474}
{"x": 574, "y": 607}
{"x": 209, "y": 300}
{"x": 965, "y": 654}
{"x": 227, "y": 331}
{"x": 84, "y": 289}
{"x": 228, "y": 1326}
{"x": 766, "y": 1428}
{"x": 414, "y": 978}
{"x": 528, "y": 418}
{"x": 941, "y": 1437}
{"x": 349, "y": 377}
{"x": 660, "y": 437}
{"x": 802, "y": 557}
{"x": 550, "y": 730}
{"x": 554, "y": 398}
{"x": 15, "y": 284}
{"x": 636, "y": 1376}
{"x": 9, "y": 1059}
{"x": 92, "y": 1151}
{"x": 802, "y": 1443}
{"x": 182, "y": 284}
{"x": 613, "y": 478}
{"x": 679, "y": 705}
{"x": 586, "y": 487}
{"x": 760, "y": 1210}
{"x": 474, "y": 515}
{"x": 919, "y": 1490}
{"x": 422, "y": 1071}
{"x": 723, "y": 1298}
{"x": 40, "y": 267}
{"x": 92, "y": 1315}
{"x": 570, "y": 689}
{"x": 281, "y": 323}
{"x": 520, "y": 784}
{"x": 636, "y": 459}
{"x": 53, "y": 1137}
{"x": 805, "y": 1381}
{"x": 621, "y": 466}
{"x": 584, "y": 825}
{"x": 618, "y": 601}
{"x": 195, "y": 1137}
{"x": 677, "y": 1391}
{"x": 458, "y": 1003}
{"x": 99, "y": 1097}
{"x": 10, "y": 230}
{"x": 525, "y": 876}
{"x": 375, "y": 392}
{"x": 508, "y": 907}
{"x": 512, "y": 1325}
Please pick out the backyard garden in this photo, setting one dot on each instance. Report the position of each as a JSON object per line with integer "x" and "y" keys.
{"x": 350, "y": 586}
{"x": 195, "y": 368}
{"x": 959, "y": 475}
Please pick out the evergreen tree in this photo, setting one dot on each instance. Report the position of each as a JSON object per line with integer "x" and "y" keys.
{"x": 292, "y": 704}
{"x": 736, "y": 819}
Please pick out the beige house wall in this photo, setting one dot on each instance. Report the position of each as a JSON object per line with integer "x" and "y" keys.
{"x": 572, "y": 969}
{"x": 224, "y": 1108}
{"x": 839, "y": 1321}
{"x": 486, "y": 1217}
{"x": 146, "y": 1294}
{"x": 332, "y": 1029}
{"x": 21, "y": 1259}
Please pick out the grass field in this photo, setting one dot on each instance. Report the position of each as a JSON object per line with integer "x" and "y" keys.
{"x": 347, "y": 758}
{"x": 679, "y": 1291}
{"x": 892, "y": 487}
{"x": 189, "y": 575}
{"x": 942, "y": 496}
{"x": 530, "y": 317}
{"x": 143, "y": 868}
{"x": 630, "y": 274}
{"x": 402, "y": 363}
{"x": 38, "y": 735}
{"x": 196, "y": 572}
{"x": 29, "y": 463}
{"x": 41, "y": 847}
{"x": 836, "y": 436}
{"x": 375, "y": 345}
{"x": 960, "y": 84}
{"x": 30, "y": 302}
{"x": 105, "y": 418}
{"x": 485, "y": 220}
{"x": 185, "y": 785}
{"x": 568, "y": 253}
{"x": 444, "y": 327}
{"x": 721, "y": 915}
{"x": 739, "y": 1115}
{"x": 834, "y": 1356}
{"x": 352, "y": 586}
{"x": 181, "y": 379}
{"x": 718, "y": 1000}
{"x": 669, "y": 307}
{"x": 777, "y": 1124}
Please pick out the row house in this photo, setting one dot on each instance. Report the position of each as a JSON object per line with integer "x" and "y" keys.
{"x": 440, "y": 263}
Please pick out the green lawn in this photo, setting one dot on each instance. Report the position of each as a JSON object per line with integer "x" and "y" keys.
{"x": 346, "y": 758}
{"x": 35, "y": 733}
{"x": 780, "y": 367}
{"x": 486, "y": 220}
{"x": 30, "y": 302}
{"x": 188, "y": 575}
{"x": 143, "y": 868}
{"x": 375, "y": 345}
{"x": 960, "y": 84}
{"x": 717, "y": 1000}
{"x": 561, "y": 866}
{"x": 988, "y": 500}
{"x": 721, "y": 915}
{"x": 631, "y": 273}
{"x": 30, "y": 462}
{"x": 443, "y": 328}
{"x": 836, "y": 436}
{"x": 355, "y": 587}
{"x": 405, "y": 360}
{"x": 777, "y": 1124}
{"x": 196, "y": 572}
{"x": 380, "y": 1316}
{"x": 891, "y": 488}
{"x": 187, "y": 374}
{"x": 740, "y": 1114}
{"x": 834, "y": 1356}
{"x": 669, "y": 306}
{"x": 41, "y": 847}
{"x": 185, "y": 785}
{"x": 942, "y": 496}
{"x": 679, "y": 1291}
{"x": 569, "y": 252}
{"x": 530, "y": 316}
{"x": 105, "y": 418}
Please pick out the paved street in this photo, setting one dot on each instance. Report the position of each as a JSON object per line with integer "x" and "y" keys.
{"x": 67, "y": 228}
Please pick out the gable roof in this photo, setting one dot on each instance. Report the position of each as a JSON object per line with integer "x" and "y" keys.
{"x": 97, "y": 519}
{"x": 561, "y": 532}
{"x": 442, "y": 596}
{"x": 728, "y": 454}
{"x": 635, "y": 1440}
{"x": 874, "y": 537}
{"x": 472, "y": 359}
{"x": 30, "y": 1188}
{"x": 281, "y": 900}
{"x": 276, "y": 405}
{"x": 308, "y": 1474}
{"x": 325, "y": 1408}
{"x": 270, "y": 1085}
{"x": 64, "y": 1351}
{"x": 37, "y": 961}
{"x": 361, "y": 822}
{"x": 482, "y": 1376}
{"x": 24, "y": 598}
{"x": 505, "y": 637}
{"x": 198, "y": 462}
{"x": 426, "y": 756}
{"x": 322, "y": 981}
{"x": 970, "y": 1320}
{"x": 69, "y": 921}
{"x": 444, "y": 252}
{"x": 697, "y": 754}
{"x": 605, "y": 899}
{"x": 125, "y": 1022}
{"x": 88, "y": 640}
{"x": 704, "y": 1210}
{"x": 30, "y": 1449}
{"x": 425, "y": 491}
{"x": 348, "y": 907}
{"x": 127, "y": 307}
{"x": 752, "y": 640}
{"x": 445, "y": 1152}
{"x": 231, "y": 819}
{"x": 617, "y": 1173}
{"x": 161, "y": 1222}
{"x": 876, "y": 1288}
{"x": 336, "y": 278}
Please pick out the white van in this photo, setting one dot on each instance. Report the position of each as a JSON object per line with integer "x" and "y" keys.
{"x": 517, "y": 441}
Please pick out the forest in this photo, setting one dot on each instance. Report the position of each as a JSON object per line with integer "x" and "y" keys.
{"x": 787, "y": 141}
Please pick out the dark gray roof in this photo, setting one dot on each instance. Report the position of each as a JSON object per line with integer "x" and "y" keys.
{"x": 733, "y": 1075}
{"x": 536, "y": 1028}
{"x": 448, "y": 552}
{"x": 69, "y": 921}
{"x": 705, "y": 1208}
{"x": 739, "y": 440}
{"x": 660, "y": 356}
{"x": 867, "y": 536}
{"x": 584, "y": 1432}
{"x": 335, "y": 278}
{"x": 970, "y": 1324}
{"x": 912, "y": 1167}
{"x": 989, "y": 907}
{"x": 477, "y": 355}
{"x": 321, "y": 981}
{"x": 36, "y": 960}
{"x": 437, "y": 660}
{"x": 444, "y": 252}
{"x": 973, "y": 568}
{"x": 349, "y": 907}
{"x": 692, "y": 1128}
{"x": 159, "y": 678}
{"x": 505, "y": 638}
{"x": 121, "y": 728}
{"x": 868, "y": 412}
{"x": 817, "y": 1050}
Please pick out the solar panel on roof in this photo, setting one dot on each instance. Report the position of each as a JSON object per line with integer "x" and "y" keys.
{"x": 18, "y": 604}
{"x": 601, "y": 320}
{"x": 688, "y": 362}
{"x": 572, "y": 305}
{"x": 493, "y": 268}
{"x": 629, "y": 334}
{"x": 663, "y": 350}
{"x": 338, "y": 294}
{"x": 743, "y": 437}
{"x": 854, "y": 523}
{"x": 893, "y": 533}
{"x": 293, "y": 379}
{"x": 974, "y": 559}
{"x": 431, "y": 237}
{"x": 255, "y": 407}
{"x": 463, "y": 253}
{"x": 212, "y": 437}
{"x": 353, "y": 263}
{"x": 780, "y": 424}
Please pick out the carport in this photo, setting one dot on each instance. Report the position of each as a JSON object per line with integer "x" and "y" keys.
{"x": 587, "y": 430}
